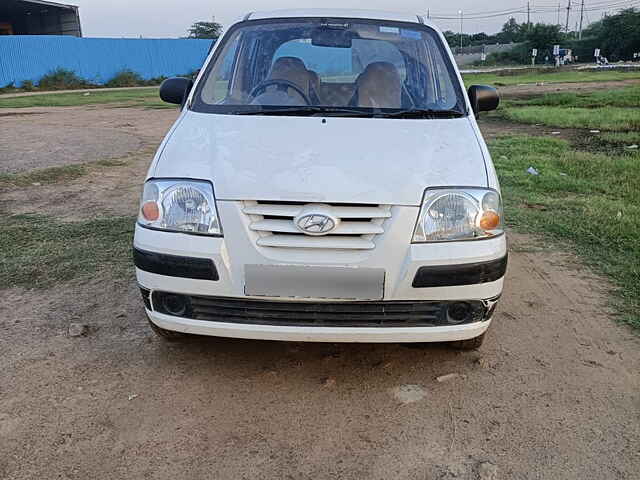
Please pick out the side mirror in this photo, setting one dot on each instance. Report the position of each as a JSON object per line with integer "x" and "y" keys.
{"x": 483, "y": 98}
{"x": 176, "y": 90}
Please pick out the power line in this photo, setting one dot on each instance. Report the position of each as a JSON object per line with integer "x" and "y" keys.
{"x": 544, "y": 9}
{"x": 526, "y": 9}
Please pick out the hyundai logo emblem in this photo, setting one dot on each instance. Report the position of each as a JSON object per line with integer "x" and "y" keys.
{"x": 315, "y": 223}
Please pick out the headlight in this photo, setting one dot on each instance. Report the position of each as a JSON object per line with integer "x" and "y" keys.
{"x": 179, "y": 206}
{"x": 459, "y": 214}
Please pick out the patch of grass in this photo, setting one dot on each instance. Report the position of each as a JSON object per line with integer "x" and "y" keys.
{"x": 38, "y": 251}
{"x": 590, "y": 200}
{"x": 125, "y": 78}
{"x": 625, "y": 98}
{"x": 44, "y": 176}
{"x": 140, "y": 97}
{"x": 622, "y": 138}
{"x": 62, "y": 79}
{"x": 605, "y": 118}
{"x": 550, "y": 75}
{"x": 9, "y": 88}
{"x": 616, "y": 143}
{"x": 611, "y": 110}
{"x": 51, "y": 175}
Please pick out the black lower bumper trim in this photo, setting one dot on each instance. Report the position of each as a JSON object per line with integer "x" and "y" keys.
{"x": 175, "y": 266}
{"x": 146, "y": 297}
{"x": 457, "y": 275}
{"x": 382, "y": 314}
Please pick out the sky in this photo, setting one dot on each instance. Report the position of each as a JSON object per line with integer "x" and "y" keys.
{"x": 172, "y": 18}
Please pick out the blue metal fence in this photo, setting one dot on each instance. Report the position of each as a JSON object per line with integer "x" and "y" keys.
{"x": 98, "y": 60}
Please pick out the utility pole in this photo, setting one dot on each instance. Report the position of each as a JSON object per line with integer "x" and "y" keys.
{"x": 461, "y": 16}
{"x": 428, "y": 13}
{"x": 528, "y": 14}
{"x": 581, "y": 18}
{"x": 559, "y": 9}
{"x": 566, "y": 28}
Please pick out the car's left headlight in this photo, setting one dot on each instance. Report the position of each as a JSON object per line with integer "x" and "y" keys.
{"x": 459, "y": 214}
{"x": 186, "y": 206}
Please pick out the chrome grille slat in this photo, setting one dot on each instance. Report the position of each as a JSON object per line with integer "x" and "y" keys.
{"x": 327, "y": 242}
{"x": 358, "y": 225}
{"x": 345, "y": 228}
{"x": 278, "y": 210}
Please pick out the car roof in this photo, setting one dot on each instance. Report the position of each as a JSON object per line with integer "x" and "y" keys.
{"x": 336, "y": 13}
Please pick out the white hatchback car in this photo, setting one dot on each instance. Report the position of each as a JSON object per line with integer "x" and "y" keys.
{"x": 326, "y": 181}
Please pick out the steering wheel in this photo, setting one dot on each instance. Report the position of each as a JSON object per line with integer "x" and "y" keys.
{"x": 283, "y": 83}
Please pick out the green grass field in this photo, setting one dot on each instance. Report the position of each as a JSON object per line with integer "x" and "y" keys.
{"x": 628, "y": 97}
{"x": 608, "y": 118}
{"x": 616, "y": 110}
{"x": 588, "y": 192}
{"x": 591, "y": 200}
{"x": 548, "y": 76}
{"x": 140, "y": 97}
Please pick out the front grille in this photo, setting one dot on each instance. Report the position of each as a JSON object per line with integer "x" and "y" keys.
{"x": 275, "y": 226}
{"x": 324, "y": 314}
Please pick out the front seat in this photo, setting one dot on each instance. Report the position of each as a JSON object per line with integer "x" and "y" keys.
{"x": 379, "y": 86}
{"x": 315, "y": 87}
{"x": 293, "y": 70}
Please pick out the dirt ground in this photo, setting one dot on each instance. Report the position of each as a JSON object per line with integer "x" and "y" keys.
{"x": 553, "y": 394}
{"x": 46, "y": 137}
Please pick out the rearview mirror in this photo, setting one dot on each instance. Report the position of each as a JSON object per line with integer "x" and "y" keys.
{"x": 176, "y": 90}
{"x": 483, "y": 98}
{"x": 336, "y": 37}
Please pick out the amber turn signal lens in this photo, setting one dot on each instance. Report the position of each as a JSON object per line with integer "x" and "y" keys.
{"x": 150, "y": 211}
{"x": 490, "y": 220}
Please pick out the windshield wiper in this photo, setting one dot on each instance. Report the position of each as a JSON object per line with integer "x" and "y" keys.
{"x": 311, "y": 110}
{"x": 422, "y": 113}
{"x": 306, "y": 111}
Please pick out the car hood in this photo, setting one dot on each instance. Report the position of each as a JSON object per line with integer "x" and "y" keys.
{"x": 311, "y": 159}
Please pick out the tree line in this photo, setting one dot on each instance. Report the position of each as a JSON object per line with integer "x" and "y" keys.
{"x": 618, "y": 36}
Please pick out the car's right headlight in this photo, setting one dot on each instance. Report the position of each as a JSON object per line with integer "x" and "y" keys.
{"x": 186, "y": 206}
{"x": 453, "y": 214}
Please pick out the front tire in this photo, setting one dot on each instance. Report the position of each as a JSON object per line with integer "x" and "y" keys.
{"x": 470, "y": 344}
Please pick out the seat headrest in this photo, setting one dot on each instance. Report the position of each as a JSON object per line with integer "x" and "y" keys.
{"x": 380, "y": 86}
{"x": 291, "y": 69}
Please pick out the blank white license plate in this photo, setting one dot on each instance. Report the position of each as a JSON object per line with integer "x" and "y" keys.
{"x": 314, "y": 282}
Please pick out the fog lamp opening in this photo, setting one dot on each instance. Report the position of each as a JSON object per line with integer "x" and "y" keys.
{"x": 176, "y": 305}
{"x": 459, "y": 312}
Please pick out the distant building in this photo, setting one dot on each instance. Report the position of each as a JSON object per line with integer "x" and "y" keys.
{"x": 39, "y": 17}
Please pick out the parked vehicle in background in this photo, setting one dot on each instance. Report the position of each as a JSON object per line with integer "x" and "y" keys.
{"x": 326, "y": 181}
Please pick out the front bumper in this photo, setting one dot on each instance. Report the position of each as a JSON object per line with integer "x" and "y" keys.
{"x": 320, "y": 334}
{"x": 407, "y": 278}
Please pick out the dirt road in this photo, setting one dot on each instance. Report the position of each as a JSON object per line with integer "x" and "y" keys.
{"x": 553, "y": 394}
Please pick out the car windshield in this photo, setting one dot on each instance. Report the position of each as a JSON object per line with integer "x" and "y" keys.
{"x": 337, "y": 67}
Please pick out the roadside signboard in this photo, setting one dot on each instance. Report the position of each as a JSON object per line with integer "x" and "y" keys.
{"x": 596, "y": 53}
{"x": 556, "y": 50}
{"x": 534, "y": 52}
